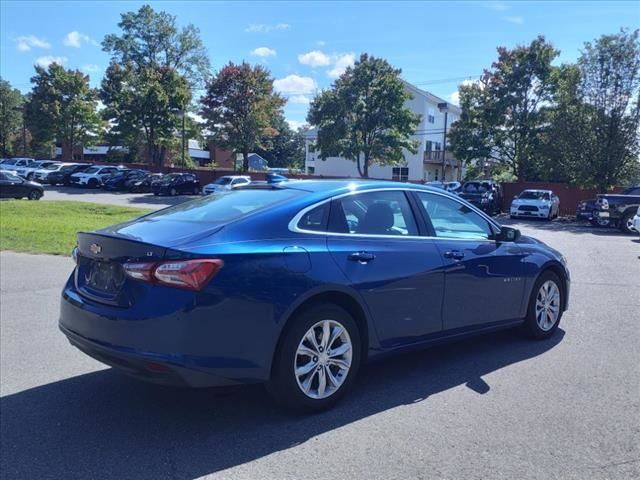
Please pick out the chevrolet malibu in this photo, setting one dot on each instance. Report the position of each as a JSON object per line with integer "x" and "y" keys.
{"x": 297, "y": 284}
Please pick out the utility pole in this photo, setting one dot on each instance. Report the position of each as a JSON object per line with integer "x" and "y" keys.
{"x": 184, "y": 114}
{"x": 443, "y": 107}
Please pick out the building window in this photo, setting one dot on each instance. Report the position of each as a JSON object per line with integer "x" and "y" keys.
{"x": 438, "y": 146}
{"x": 400, "y": 174}
{"x": 431, "y": 116}
{"x": 436, "y": 177}
{"x": 429, "y": 146}
{"x": 311, "y": 170}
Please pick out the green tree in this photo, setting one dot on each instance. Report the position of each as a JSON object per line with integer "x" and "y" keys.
{"x": 241, "y": 108}
{"x": 11, "y": 102}
{"x": 503, "y": 114}
{"x": 62, "y": 108}
{"x": 363, "y": 116}
{"x": 285, "y": 149}
{"x": 609, "y": 92}
{"x": 147, "y": 86}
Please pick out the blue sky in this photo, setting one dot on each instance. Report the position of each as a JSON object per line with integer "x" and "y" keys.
{"x": 306, "y": 44}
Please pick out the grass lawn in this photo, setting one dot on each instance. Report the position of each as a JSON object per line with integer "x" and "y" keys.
{"x": 51, "y": 227}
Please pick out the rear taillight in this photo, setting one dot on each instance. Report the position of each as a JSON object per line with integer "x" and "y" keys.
{"x": 189, "y": 274}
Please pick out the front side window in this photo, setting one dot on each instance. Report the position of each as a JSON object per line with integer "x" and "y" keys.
{"x": 373, "y": 213}
{"x": 452, "y": 219}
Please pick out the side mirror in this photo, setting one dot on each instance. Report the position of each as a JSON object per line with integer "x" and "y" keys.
{"x": 508, "y": 234}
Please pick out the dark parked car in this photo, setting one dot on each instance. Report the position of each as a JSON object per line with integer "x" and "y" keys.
{"x": 176, "y": 184}
{"x": 296, "y": 284}
{"x": 143, "y": 184}
{"x": 484, "y": 194}
{"x": 122, "y": 180}
{"x": 619, "y": 209}
{"x": 13, "y": 186}
{"x": 62, "y": 176}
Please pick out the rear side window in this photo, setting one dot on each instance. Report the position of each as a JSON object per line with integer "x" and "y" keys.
{"x": 315, "y": 219}
{"x": 225, "y": 206}
{"x": 373, "y": 213}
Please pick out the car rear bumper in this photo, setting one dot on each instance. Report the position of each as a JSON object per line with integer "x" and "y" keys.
{"x": 165, "y": 343}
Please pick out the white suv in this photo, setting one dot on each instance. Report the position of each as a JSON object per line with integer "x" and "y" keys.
{"x": 92, "y": 176}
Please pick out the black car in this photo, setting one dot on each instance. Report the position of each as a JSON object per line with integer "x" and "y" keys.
{"x": 143, "y": 184}
{"x": 175, "y": 184}
{"x": 12, "y": 186}
{"x": 619, "y": 209}
{"x": 62, "y": 176}
{"x": 123, "y": 179}
{"x": 484, "y": 194}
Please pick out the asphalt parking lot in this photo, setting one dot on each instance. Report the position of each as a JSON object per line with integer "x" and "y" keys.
{"x": 141, "y": 200}
{"x": 494, "y": 407}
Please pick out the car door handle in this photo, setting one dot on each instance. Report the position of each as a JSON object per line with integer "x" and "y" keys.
{"x": 361, "y": 257}
{"x": 455, "y": 254}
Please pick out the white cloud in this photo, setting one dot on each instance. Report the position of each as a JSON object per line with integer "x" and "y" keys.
{"x": 27, "y": 42}
{"x": 263, "y": 28}
{"x": 91, "y": 67}
{"x": 315, "y": 58}
{"x": 301, "y": 99}
{"x": 264, "y": 52}
{"x": 295, "y": 84}
{"x": 49, "y": 59}
{"x": 497, "y": 6}
{"x": 341, "y": 62}
{"x": 76, "y": 39}
{"x": 295, "y": 124}
{"x": 516, "y": 19}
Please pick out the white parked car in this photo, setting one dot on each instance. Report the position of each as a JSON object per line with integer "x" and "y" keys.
{"x": 15, "y": 164}
{"x": 536, "y": 204}
{"x": 92, "y": 176}
{"x": 226, "y": 183}
{"x": 29, "y": 171}
{"x": 636, "y": 221}
{"x": 41, "y": 175}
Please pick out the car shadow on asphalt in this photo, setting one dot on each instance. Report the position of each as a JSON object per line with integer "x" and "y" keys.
{"x": 105, "y": 425}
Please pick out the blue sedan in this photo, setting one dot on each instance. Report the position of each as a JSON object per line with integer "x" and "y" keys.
{"x": 297, "y": 284}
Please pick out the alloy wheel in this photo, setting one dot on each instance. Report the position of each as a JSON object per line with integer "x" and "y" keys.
{"x": 323, "y": 359}
{"x": 548, "y": 305}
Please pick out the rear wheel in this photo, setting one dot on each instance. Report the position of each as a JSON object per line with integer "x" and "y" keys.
{"x": 93, "y": 183}
{"x": 545, "y": 306}
{"x": 626, "y": 224}
{"x": 317, "y": 360}
{"x": 30, "y": 177}
{"x": 35, "y": 195}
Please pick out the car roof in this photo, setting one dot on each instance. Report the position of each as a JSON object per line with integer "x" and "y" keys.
{"x": 336, "y": 186}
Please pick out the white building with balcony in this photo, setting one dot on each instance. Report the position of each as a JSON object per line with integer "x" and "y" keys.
{"x": 425, "y": 165}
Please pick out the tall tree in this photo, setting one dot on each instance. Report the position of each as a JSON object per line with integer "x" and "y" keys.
{"x": 610, "y": 92}
{"x": 147, "y": 87}
{"x": 10, "y": 116}
{"x": 503, "y": 114}
{"x": 62, "y": 108}
{"x": 241, "y": 108}
{"x": 285, "y": 149}
{"x": 363, "y": 116}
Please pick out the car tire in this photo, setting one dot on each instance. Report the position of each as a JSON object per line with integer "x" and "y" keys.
{"x": 30, "y": 177}
{"x": 626, "y": 224}
{"x": 545, "y": 306}
{"x": 92, "y": 183}
{"x": 34, "y": 195}
{"x": 311, "y": 390}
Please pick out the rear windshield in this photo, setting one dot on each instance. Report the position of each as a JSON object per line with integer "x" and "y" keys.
{"x": 223, "y": 207}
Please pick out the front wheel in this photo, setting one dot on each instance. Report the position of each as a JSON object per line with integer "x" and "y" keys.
{"x": 626, "y": 224}
{"x": 34, "y": 195}
{"x": 545, "y": 306}
{"x": 317, "y": 359}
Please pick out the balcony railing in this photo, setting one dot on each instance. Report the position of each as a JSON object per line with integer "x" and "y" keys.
{"x": 435, "y": 157}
